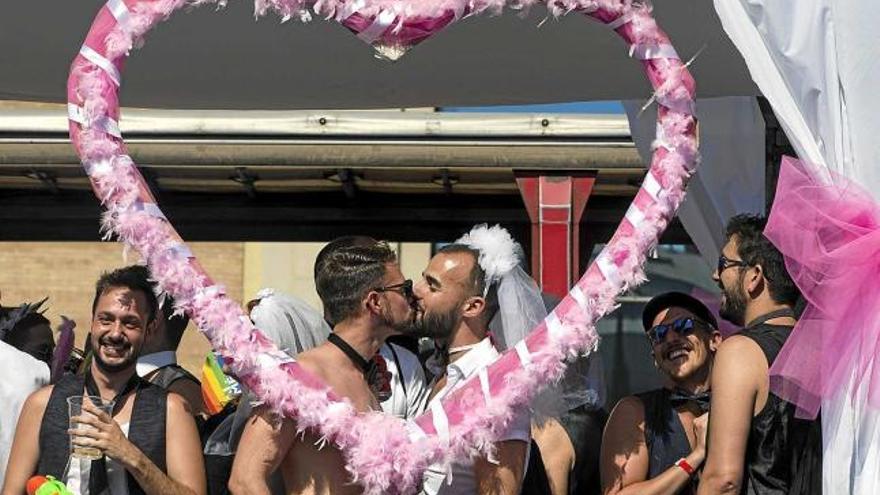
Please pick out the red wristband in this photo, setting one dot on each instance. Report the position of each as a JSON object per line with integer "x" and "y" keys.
{"x": 687, "y": 468}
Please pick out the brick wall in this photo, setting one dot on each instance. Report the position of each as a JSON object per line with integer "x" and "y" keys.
{"x": 67, "y": 271}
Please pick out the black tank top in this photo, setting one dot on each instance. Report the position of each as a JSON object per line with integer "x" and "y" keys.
{"x": 783, "y": 455}
{"x": 768, "y": 457}
{"x": 665, "y": 437}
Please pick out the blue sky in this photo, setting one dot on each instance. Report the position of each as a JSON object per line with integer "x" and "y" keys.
{"x": 574, "y": 107}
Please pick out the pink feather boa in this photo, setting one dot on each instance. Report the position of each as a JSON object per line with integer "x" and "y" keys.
{"x": 385, "y": 454}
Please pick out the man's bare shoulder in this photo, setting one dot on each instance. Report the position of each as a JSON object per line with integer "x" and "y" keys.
{"x": 315, "y": 360}
{"x": 740, "y": 347}
{"x": 34, "y": 407}
{"x": 626, "y": 423}
{"x": 177, "y": 405}
{"x": 630, "y": 408}
{"x": 741, "y": 362}
{"x": 39, "y": 399}
{"x": 337, "y": 371}
{"x": 312, "y": 354}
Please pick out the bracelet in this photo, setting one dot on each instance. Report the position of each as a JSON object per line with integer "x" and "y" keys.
{"x": 685, "y": 466}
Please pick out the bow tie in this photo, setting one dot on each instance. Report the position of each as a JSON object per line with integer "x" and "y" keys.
{"x": 679, "y": 397}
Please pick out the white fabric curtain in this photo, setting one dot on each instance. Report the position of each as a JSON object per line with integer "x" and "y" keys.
{"x": 731, "y": 177}
{"x": 816, "y": 62}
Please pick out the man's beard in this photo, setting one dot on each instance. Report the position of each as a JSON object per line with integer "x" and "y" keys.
{"x": 112, "y": 368}
{"x": 405, "y": 326}
{"x": 733, "y": 304}
{"x": 438, "y": 326}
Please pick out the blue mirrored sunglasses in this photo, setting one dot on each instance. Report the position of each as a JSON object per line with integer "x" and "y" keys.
{"x": 681, "y": 326}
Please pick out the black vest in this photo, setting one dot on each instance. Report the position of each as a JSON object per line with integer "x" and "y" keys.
{"x": 665, "y": 437}
{"x": 146, "y": 428}
{"x": 783, "y": 454}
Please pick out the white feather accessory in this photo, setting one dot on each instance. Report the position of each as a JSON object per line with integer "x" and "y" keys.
{"x": 499, "y": 253}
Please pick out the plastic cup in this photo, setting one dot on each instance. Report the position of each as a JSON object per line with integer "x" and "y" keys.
{"x": 74, "y": 408}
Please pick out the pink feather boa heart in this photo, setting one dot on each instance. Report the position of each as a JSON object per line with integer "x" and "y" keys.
{"x": 384, "y": 454}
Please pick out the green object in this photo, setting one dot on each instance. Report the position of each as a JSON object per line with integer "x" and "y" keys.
{"x": 53, "y": 487}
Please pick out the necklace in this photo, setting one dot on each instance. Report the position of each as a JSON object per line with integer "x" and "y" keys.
{"x": 461, "y": 348}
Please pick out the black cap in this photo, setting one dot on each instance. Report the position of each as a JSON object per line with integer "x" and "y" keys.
{"x": 678, "y": 300}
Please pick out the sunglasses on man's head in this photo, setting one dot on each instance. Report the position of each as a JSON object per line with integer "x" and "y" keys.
{"x": 405, "y": 288}
{"x": 681, "y": 326}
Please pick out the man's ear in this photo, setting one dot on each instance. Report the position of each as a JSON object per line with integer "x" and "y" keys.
{"x": 474, "y": 307}
{"x": 715, "y": 340}
{"x": 755, "y": 279}
{"x": 373, "y": 303}
{"x": 152, "y": 326}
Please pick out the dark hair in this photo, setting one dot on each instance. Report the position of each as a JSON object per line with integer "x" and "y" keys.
{"x": 134, "y": 277}
{"x": 476, "y": 279}
{"x": 345, "y": 275}
{"x": 175, "y": 325}
{"x": 678, "y": 300}
{"x": 338, "y": 243}
{"x": 32, "y": 335}
{"x": 755, "y": 249}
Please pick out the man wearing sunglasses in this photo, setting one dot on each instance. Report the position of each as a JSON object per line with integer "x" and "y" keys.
{"x": 365, "y": 295}
{"x": 407, "y": 386}
{"x": 655, "y": 442}
{"x": 757, "y": 446}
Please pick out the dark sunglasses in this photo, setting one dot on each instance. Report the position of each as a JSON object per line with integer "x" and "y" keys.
{"x": 405, "y": 288}
{"x": 724, "y": 263}
{"x": 681, "y": 326}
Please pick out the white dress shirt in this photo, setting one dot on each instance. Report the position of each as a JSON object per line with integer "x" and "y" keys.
{"x": 408, "y": 384}
{"x": 463, "y": 480}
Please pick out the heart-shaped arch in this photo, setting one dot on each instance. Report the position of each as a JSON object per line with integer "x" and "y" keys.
{"x": 384, "y": 454}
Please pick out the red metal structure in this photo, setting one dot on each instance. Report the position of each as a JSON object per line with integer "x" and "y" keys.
{"x": 555, "y": 203}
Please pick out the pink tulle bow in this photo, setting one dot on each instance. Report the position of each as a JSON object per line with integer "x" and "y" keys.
{"x": 829, "y": 233}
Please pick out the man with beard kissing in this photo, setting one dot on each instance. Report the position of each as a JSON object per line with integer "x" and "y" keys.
{"x": 149, "y": 444}
{"x": 366, "y": 295}
{"x": 457, "y": 302}
{"x": 756, "y": 445}
{"x": 654, "y": 442}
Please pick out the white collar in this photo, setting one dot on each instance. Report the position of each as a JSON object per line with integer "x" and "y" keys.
{"x": 481, "y": 355}
{"x": 151, "y": 362}
{"x": 473, "y": 359}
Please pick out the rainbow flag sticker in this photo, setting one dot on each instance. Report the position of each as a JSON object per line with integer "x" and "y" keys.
{"x": 218, "y": 389}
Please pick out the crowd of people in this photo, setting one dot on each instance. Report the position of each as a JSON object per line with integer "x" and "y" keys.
{"x": 386, "y": 343}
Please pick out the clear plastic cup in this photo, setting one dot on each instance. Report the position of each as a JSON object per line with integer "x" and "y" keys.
{"x": 74, "y": 408}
